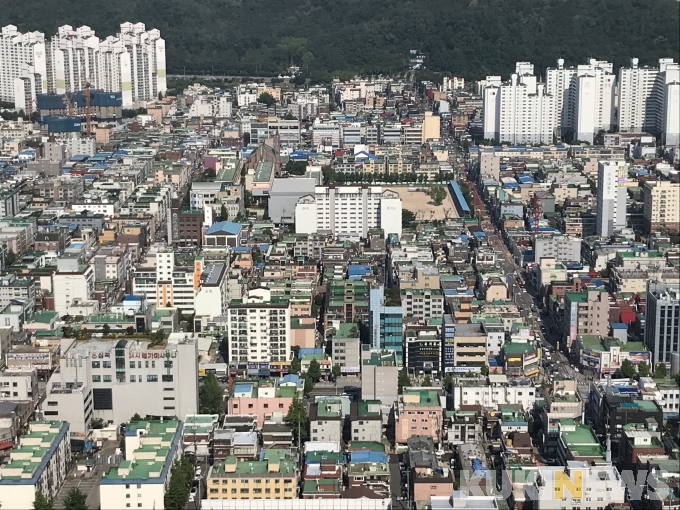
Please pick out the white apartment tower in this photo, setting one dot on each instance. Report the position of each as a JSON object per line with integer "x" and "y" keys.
{"x": 73, "y": 59}
{"x": 611, "y": 197}
{"x": 585, "y": 98}
{"x": 519, "y": 111}
{"x": 349, "y": 210}
{"x": 23, "y": 69}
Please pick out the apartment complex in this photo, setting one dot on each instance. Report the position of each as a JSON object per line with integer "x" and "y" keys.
{"x": 38, "y": 464}
{"x": 132, "y": 62}
{"x": 661, "y": 205}
{"x": 349, "y": 210}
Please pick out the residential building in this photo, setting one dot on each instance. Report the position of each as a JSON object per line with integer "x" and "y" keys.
{"x": 366, "y": 420}
{"x": 564, "y": 248}
{"x": 19, "y": 385}
{"x": 661, "y": 205}
{"x": 346, "y": 301}
{"x": 326, "y": 421}
{"x": 22, "y": 57}
{"x": 128, "y": 377}
{"x": 493, "y": 391}
{"x": 143, "y": 478}
{"x": 259, "y": 326}
{"x": 273, "y": 477}
{"x": 346, "y": 348}
{"x": 14, "y": 289}
{"x": 563, "y": 402}
{"x": 72, "y": 402}
{"x": 38, "y": 464}
{"x": 469, "y": 348}
{"x": 611, "y": 197}
{"x": 72, "y": 280}
{"x": 349, "y": 210}
{"x": 379, "y": 376}
{"x": 662, "y": 313}
{"x": 265, "y": 401}
{"x": 586, "y": 313}
{"x": 422, "y": 303}
{"x": 419, "y": 413}
{"x": 212, "y": 298}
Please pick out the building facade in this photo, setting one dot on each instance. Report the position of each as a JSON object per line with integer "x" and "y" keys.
{"x": 662, "y": 313}
{"x": 611, "y": 197}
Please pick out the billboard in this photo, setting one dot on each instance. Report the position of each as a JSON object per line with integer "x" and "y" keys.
{"x": 636, "y": 357}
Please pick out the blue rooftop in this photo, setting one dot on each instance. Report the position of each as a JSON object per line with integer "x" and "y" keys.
{"x": 225, "y": 226}
{"x": 618, "y": 325}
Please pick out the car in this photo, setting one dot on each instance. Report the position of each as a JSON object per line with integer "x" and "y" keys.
{"x": 192, "y": 498}
{"x": 194, "y": 491}
{"x": 198, "y": 471}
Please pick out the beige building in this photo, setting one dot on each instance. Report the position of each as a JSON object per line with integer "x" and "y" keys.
{"x": 469, "y": 346}
{"x": 586, "y": 313}
{"x": 431, "y": 127}
{"x": 661, "y": 205}
{"x": 274, "y": 477}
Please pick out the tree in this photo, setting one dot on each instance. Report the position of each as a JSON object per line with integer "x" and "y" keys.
{"x": 627, "y": 369}
{"x": 106, "y": 329}
{"x": 427, "y": 381}
{"x": 308, "y": 384}
{"x": 407, "y": 218}
{"x": 210, "y": 396}
{"x": 75, "y": 500}
{"x": 42, "y": 503}
{"x": 266, "y": 98}
{"x": 643, "y": 369}
{"x": 295, "y": 362}
{"x": 224, "y": 215}
{"x": 660, "y": 371}
{"x": 448, "y": 381}
{"x": 136, "y": 417}
{"x": 605, "y": 273}
{"x": 403, "y": 380}
{"x": 438, "y": 194}
{"x": 10, "y": 258}
{"x": 314, "y": 370}
{"x": 180, "y": 484}
{"x": 130, "y": 330}
{"x": 484, "y": 370}
{"x": 336, "y": 371}
{"x": 296, "y": 419}
{"x": 289, "y": 116}
{"x": 97, "y": 423}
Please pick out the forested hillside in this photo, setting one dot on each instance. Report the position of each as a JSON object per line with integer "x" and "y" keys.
{"x": 471, "y": 38}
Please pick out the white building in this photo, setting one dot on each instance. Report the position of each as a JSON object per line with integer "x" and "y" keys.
{"x": 584, "y": 97}
{"x": 18, "y": 385}
{"x": 495, "y": 391}
{"x": 151, "y": 448}
{"x": 23, "y": 64}
{"x": 611, "y": 197}
{"x": 71, "y": 280}
{"x": 259, "y": 328}
{"x": 578, "y": 485}
{"x": 212, "y": 299}
{"x": 326, "y": 135}
{"x": 564, "y": 248}
{"x": 350, "y": 210}
{"x": 127, "y": 377}
{"x": 649, "y": 99}
{"x": 39, "y": 464}
{"x": 520, "y": 111}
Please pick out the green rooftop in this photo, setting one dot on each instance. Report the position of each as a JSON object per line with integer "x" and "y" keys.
{"x": 44, "y": 317}
{"x": 426, "y": 398}
{"x": 263, "y": 171}
{"x": 366, "y": 408}
{"x": 347, "y": 330}
{"x": 325, "y": 485}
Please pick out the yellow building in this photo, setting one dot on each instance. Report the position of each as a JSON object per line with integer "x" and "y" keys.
{"x": 275, "y": 477}
{"x": 431, "y": 127}
{"x": 661, "y": 205}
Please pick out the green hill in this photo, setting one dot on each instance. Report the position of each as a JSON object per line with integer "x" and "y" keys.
{"x": 470, "y": 38}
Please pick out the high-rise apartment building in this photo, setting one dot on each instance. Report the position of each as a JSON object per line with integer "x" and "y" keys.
{"x": 131, "y": 62}
{"x": 23, "y": 70}
{"x": 611, "y": 197}
{"x": 662, "y": 313}
{"x": 661, "y": 205}
{"x": 584, "y": 98}
{"x": 649, "y": 99}
{"x": 349, "y": 210}
{"x": 519, "y": 111}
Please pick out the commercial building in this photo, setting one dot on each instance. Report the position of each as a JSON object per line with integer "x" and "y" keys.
{"x": 586, "y": 313}
{"x": 422, "y": 303}
{"x": 662, "y": 313}
{"x": 423, "y": 350}
{"x": 128, "y": 377}
{"x": 38, "y": 464}
{"x": 259, "y": 328}
{"x": 385, "y": 322}
{"x": 493, "y": 391}
{"x": 349, "y": 210}
{"x": 346, "y": 348}
{"x": 564, "y": 248}
{"x": 611, "y": 197}
{"x": 661, "y": 205}
{"x": 379, "y": 376}
{"x": 212, "y": 298}
{"x": 142, "y": 479}
{"x": 419, "y": 413}
{"x": 469, "y": 348}
{"x": 71, "y": 280}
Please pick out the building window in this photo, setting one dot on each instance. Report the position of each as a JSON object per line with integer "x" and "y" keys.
{"x": 106, "y": 364}
{"x": 96, "y": 378}
{"x": 133, "y": 378}
{"x": 107, "y": 378}
{"x": 132, "y": 364}
{"x": 95, "y": 364}
{"x": 167, "y": 378}
{"x": 151, "y": 378}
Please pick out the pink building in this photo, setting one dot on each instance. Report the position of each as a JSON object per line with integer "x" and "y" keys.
{"x": 420, "y": 414}
{"x": 265, "y": 401}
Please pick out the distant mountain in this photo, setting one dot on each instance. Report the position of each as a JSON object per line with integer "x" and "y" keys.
{"x": 470, "y": 38}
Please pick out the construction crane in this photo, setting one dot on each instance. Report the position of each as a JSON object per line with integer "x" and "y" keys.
{"x": 68, "y": 103}
{"x": 537, "y": 210}
{"x": 86, "y": 93}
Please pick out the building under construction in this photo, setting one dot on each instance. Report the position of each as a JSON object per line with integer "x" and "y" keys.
{"x": 104, "y": 106}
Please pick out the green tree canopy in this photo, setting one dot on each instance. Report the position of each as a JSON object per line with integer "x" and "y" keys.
{"x": 627, "y": 368}
{"x": 336, "y": 371}
{"x": 448, "y": 381}
{"x": 180, "y": 484}
{"x": 438, "y": 194}
{"x": 75, "y": 500}
{"x": 407, "y": 218}
{"x": 42, "y": 503}
{"x": 660, "y": 371}
{"x": 484, "y": 370}
{"x": 643, "y": 369}
{"x": 427, "y": 381}
{"x": 296, "y": 418}
{"x": 404, "y": 380}
{"x": 210, "y": 396}
{"x": 266, "y": 98}
{"x": 314, "y": 370}
{"x": 308, "y": 384}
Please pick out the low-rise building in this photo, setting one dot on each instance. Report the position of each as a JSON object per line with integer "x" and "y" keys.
{"x": 142, "y": 479}
{"x": 366, "y": 420}
{"x": 420, "y": 413}
{"x": 326, "y": 421}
